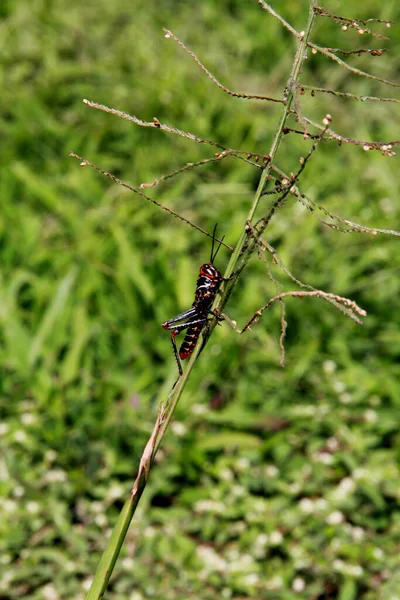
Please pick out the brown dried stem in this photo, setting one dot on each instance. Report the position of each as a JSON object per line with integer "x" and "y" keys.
{"x": 359, "y": 51}
{"x": 350, "y": 305}
{"x": 277, "y": 285}
{"x": 169, "y": 34}
{"x": 385, "y": 147}
{"x": 156, "y": 124}
{"x": 361, "y": 98}
{"x": 311, "y": 205}
{"x": 265, "y": 6}
{"x": 344, "y": 64}
{"x": 354, "y": 23}
{"x": 191, "y": 165}
{"x": 87, "y": 163}
{"x": 265, "y": 246}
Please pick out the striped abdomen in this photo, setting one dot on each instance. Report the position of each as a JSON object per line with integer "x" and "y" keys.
{"x": 191, "y": 338}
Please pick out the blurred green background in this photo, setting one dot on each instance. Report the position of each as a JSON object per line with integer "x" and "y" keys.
{"x": 273, "y": 482}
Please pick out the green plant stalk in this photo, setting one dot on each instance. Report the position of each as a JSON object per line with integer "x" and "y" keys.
{"x": 240, "y": 257}
{"x": 113, "y": 548}
{"x": 246, "y": 246}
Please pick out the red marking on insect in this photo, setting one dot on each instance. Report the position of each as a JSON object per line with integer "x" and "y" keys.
{"x": 196, "y": 318}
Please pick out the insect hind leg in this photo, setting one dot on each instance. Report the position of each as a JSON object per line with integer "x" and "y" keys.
{"x": 178, "y": 360}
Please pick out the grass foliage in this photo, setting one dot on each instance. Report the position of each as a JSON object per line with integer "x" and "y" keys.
{"x": 273, "y": 483}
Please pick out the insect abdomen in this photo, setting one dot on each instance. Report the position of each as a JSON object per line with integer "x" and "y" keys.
{"x": 190, "y": 341}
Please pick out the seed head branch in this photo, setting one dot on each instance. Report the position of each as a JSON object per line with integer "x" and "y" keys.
{"x": 302, "y": 87}
{"x": 272, "y": 12}
{"x": 359, "y": 24}
{"x": 169, "y": 34}
{"x": 384, "y": 147}
{"x": 289, "y": 181}
{"x": 284, "y": 324}
{"x": 264, "y": 246}
{"x": 344, "y": 64}
{"x": 359, "y": 51}
{"x": 87, "y": 163}
{"x": 352, "y": 307}
{"x": 217, "y": 157}
{"x": 311, "y": 205}
{"x": 186, "y": 134}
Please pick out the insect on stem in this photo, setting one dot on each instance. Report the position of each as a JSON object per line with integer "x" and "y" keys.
{"x": 197, "y": 317}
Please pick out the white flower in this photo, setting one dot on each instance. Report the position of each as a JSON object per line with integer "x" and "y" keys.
{"x": 18, "y": 491}
{"x": 115, "y": 491}
{"x": 370, "y": 415}
{"x": 28, "y": 419}
{"x": 275, "y": 538}
{"x": 128, "y": 563}
{"x": 212, "y": 561}
{"x": 100, "y": 520}
{"x": 271, "y": 471}
{"x": 20, "y": 436}
{"x": 251, "y": 579}
{"x": 332, "y": 444}
{"x": 357, "y": 533}
{"x": 206, "y": 506}
{"x": 55, "y": 476}
{"x": 4, "y": 428}
{"x": 307, "y": 505}
{"x": 178, "y": 428}
{"x": 50, "y": 455}
{"x": 325, "y": 458}
{"x": 298, "y": 584}
{"x": 339, "y": 386}
{"x": 335, "y": 518}
{"x": 49, "y": 592}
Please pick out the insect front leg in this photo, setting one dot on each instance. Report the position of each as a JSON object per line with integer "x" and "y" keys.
{"x": 215, "y": 314}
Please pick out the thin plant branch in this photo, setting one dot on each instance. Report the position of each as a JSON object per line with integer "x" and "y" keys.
{"x": 87, "y": 163}
{"x": 265, "y": 6}
{"x": 359, "y": 24}
{"x": 359, "y": 51}
{"x": 156, "y": 124}
{"x": 288, "y": 183}
{"x": 384, "y": 147}
{"x": 264, "y": 246}
{"x": 284, "y": 324}
{"x": 361, "y": 98}
{"x": 169, "y": 34}
{"x": 217, "y": 157}
{"x": 344, "y": 64}
{"x": 312, "y": 205}
{"x": 346, "y": 302}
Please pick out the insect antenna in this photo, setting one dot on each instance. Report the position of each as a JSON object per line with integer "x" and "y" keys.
{"x": 213, "y": 256}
